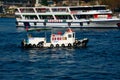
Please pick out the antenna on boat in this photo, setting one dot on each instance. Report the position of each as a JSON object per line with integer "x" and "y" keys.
{"x": 45, "y": 29}
{"x": 69, "y": 24}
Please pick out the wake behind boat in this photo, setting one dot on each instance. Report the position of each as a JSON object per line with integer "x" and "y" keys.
{"x": 96, "y": 16}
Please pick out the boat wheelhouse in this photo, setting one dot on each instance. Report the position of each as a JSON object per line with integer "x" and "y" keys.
{"x": 73, "y": 16}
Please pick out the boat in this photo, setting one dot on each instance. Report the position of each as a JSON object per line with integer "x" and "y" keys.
{"x": 58, "y": 40}
{"x": 96, "y": 16}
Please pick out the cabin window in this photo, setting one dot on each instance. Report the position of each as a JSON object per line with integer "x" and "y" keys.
{"x": 69, "y": 36}
{"x": 58, "y": 38}
{"x": 54, "y": 38}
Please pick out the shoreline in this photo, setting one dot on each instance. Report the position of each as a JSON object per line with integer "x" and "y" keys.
{"x": 7, "y": 16}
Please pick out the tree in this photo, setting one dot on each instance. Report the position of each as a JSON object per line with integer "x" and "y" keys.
{"x": 111, "y": 3}
{"x": 44, "y": 2}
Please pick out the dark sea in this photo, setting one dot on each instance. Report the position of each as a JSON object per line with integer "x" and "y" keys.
{"x": 100, "y": 60}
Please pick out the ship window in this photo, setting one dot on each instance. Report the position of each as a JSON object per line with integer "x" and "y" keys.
{"x": 83, "y": 16}
{"x": 80, "y": 8}
{"x": 30, "y": 17}
{"x": 59, "y": 9}
{"x": 63, "y": 17}
{"x": 99, "y": 8}
{"x": 46, "y": 17}
{"x": 42, "y": 10}
{"x": 27, "y": 10}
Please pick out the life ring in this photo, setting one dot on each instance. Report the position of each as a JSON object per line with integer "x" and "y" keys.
{"x": 57, "y": 45}
{"x": 51, "y": 46}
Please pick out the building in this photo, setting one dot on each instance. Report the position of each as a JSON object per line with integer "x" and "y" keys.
{"x": 71, "y": 2}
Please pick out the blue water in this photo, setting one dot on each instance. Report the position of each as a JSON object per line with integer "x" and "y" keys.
{"x": 100, "y": 60}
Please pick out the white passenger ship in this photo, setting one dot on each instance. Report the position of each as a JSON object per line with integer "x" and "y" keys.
{"x": 96, "y": 16}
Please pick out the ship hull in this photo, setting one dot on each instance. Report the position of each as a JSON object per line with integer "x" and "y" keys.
{"x": 87, "y": 24}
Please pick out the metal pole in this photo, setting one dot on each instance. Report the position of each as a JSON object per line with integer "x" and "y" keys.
{"x": 45, "y": 30}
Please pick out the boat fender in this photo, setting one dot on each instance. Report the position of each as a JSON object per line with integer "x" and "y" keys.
{"x": 74, "y": 44}
{"x": 26, "y": 46}
{"x": 63, "y": 45}
{"x": 51, "y": 46}
{"x": 29, "y": 45}
{"x": 69, "y": 45}
{"x": 79, "y": 43}
{"x": 40, "y": 44}
{"x": 57, "y": 45}
{"x": 34, "y": 45}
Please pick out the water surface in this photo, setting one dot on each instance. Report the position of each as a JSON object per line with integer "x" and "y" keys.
{"x": 100, "y": 60}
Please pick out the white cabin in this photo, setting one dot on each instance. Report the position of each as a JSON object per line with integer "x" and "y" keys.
{"x": 66, "y": 38}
